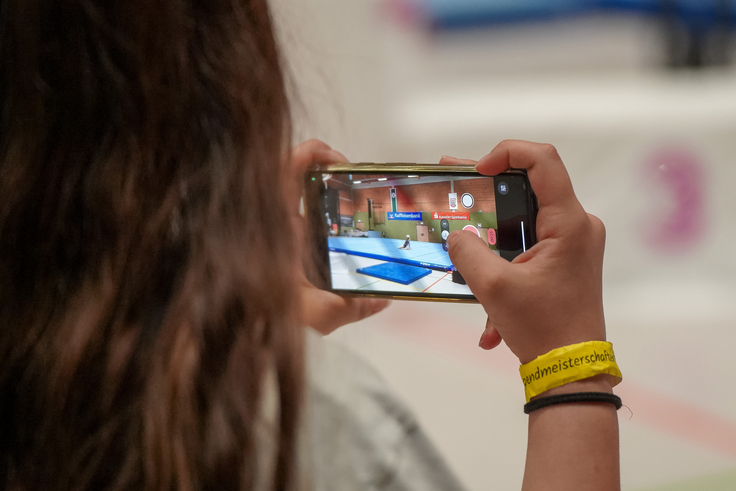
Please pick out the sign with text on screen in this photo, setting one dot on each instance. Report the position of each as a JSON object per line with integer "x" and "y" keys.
{"x": 439, "y": 215}
{"x": 453, "y": 201}
{"x": 400, "y": 215}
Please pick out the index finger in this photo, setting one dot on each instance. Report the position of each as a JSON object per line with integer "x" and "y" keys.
{"x": 547, "y": 173}
{"x": 311, "y": 152}
{"x": 445, "y": 160}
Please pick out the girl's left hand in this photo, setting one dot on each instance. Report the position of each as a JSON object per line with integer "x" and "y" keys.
{"x": 322, "y": 310}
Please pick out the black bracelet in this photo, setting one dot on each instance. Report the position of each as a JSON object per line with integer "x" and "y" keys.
{"x": 575, "y": 397}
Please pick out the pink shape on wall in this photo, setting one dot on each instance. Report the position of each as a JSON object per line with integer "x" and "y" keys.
{"x": 679, "y": 173}
{"x": 406, "y": 13}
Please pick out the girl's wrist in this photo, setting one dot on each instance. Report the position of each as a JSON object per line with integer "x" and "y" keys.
{"x": 583, "y": 334}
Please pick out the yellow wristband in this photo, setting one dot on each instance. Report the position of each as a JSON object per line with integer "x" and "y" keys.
{"x": 568, "y": 364}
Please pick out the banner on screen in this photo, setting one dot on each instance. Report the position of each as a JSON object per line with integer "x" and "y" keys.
{"x": 401, "y": 215}
{"x": 438, "y": 215}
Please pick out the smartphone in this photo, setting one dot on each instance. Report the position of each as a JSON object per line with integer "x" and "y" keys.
{"x": 381, "y": 229}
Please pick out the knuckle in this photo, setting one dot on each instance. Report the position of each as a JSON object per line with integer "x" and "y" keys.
{"x": 495, "y": 282}
{"x": 506, "y": 145}
{"x": 550, "y": 150}
{"x": 488, "y": 286}
{"x": 314, "y": 142}
{"x": 320, "y": 146}
{"x": 311, "y": 146}
{"x": 599, "y": 228}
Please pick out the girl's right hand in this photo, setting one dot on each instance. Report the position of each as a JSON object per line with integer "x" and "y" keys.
{"x": 551, "y": 295}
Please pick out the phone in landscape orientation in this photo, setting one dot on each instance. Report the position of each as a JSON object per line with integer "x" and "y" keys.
{"x": 381, "y": 229}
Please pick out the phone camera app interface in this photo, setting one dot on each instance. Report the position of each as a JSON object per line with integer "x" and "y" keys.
{"x": 389, "y": 232}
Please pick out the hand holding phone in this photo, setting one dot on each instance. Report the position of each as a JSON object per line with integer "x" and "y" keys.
{"x": 550, "y": 295}
{"x": 322, "y": 310}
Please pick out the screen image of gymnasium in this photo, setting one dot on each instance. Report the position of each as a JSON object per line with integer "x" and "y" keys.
{"x": 387, "y": 232}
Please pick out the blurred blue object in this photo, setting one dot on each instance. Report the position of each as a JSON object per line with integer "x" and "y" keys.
{"x": 462, "y": 13}
{"x": 451, "y": 14}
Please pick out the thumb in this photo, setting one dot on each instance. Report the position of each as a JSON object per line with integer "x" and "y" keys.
{"x": 480, "y": 266}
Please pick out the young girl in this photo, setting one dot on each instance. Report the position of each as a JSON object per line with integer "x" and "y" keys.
{"x": 407, "y": 244}
{"x": 152, "y": 314}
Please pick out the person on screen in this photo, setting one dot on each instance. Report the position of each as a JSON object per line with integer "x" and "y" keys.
{"x": 158, "y": 332}
{"x": 407, "y": 244}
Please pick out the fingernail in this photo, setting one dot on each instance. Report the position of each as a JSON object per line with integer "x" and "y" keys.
{"x": 447, "y": 157}
{"x": 451, "y": 237}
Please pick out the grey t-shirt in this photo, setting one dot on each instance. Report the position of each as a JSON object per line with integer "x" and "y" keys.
{"x": 358, "y": 435}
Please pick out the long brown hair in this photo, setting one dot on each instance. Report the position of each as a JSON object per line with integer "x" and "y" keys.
{"x": 145, "y": 261}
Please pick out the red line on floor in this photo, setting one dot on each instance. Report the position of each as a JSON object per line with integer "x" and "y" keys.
{"x": 683, "y": 420}
{"x": 430, "y": 286}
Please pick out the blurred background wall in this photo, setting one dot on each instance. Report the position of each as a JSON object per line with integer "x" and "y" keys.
{"x": 639, "y": 97}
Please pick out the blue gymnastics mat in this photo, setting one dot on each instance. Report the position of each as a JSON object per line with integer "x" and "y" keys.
{"x": 396, "y": 272}
{"x": 423, "y": 254}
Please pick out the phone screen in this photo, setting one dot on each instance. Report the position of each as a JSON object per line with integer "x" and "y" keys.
{"x": 386, "y": 233}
